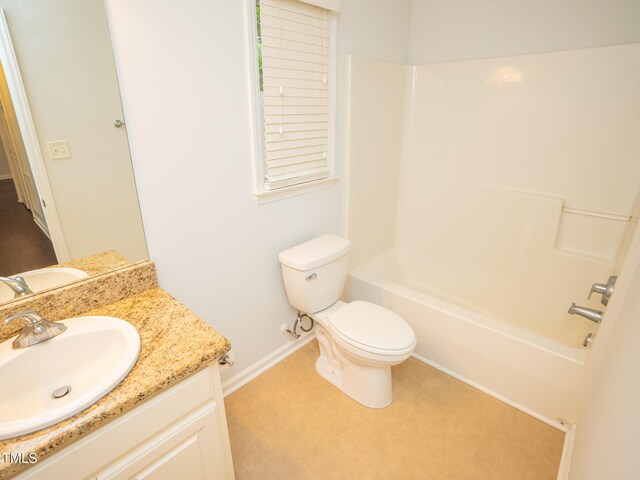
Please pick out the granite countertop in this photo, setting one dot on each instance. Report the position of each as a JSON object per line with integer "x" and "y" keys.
{"x": 174, "y": 343}
{"x": 97, "y": 264}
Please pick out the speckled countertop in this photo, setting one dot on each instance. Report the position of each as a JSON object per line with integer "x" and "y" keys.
{"x": 175, "y": 343}
{"x": 97, "y": 264}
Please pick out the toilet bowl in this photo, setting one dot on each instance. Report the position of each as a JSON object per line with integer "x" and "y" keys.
{"x": 359, "y": 341}
{"x": 358, "y": 358}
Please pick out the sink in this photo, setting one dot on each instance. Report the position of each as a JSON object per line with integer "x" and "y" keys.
{"x": 43, "y": 279}
{"x": 80, "y": 366}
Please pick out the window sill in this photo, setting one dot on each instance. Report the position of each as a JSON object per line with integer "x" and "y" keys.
{"x": 268, "y": 196}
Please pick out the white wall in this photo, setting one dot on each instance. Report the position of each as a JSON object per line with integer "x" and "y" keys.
{"x": 448, "y": 30}
{"x": 606, "y": 441}
{"x": 185, "y": 85}
{"x": 375, "y": 28}
{"x": 65, "y": 58}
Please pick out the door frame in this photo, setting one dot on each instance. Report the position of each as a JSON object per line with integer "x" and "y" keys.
{"x": 30, "y": 139}
{"x": 14, "y": 168}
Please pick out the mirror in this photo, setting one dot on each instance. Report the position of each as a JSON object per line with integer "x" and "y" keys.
{"x": 67, "y": 191}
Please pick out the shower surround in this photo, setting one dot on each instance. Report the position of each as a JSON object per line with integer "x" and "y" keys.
{"x": 487, "y": 195}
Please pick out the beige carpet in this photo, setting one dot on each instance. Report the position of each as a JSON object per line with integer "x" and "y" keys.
{"x": 289, "y": 423}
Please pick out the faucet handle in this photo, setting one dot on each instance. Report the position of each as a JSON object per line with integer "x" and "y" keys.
{"x": 605, "y": 289}
{"x": 597, "y": 288}
{"x": 33, "y": 320}
{"x": 37, "y": 329}
{"x": 30, "y": 316}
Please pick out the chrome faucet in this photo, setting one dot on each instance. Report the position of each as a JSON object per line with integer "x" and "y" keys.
{"x": 18, "y": 285}
{"x": 36, "y": 330}
{"x": 588, "y": 313}
{"x": 606, "y": 289}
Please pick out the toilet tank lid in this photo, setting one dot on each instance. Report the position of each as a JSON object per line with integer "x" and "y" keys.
{"x": 316, "y": 252}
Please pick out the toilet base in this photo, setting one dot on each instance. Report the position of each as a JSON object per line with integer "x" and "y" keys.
{"x": 368, "y": 385}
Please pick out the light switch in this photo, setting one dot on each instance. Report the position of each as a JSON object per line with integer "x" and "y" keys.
{"x": 59, "y": 150}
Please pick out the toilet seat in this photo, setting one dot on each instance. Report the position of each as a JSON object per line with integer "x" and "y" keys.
{"x": 372, "y": 328}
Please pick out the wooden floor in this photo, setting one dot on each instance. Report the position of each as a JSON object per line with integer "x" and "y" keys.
{"x": 289, "y": 423}
{"x": 23, "y": 246}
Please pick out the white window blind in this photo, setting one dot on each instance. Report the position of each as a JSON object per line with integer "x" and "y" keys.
{"x": 295, "y": 78}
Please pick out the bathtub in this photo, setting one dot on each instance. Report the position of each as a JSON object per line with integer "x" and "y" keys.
{"x": 535, "y": 374}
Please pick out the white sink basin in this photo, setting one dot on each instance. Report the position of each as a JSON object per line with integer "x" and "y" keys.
{"x": 91, "y": 357}
{"x": 43, "y": 279}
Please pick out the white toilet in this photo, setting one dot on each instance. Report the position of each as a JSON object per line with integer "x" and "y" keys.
{"x": 359, "y": 341}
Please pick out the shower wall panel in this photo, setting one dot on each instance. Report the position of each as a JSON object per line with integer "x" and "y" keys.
{"x": 519, "y": 178}
{"x": 376, "y": 102}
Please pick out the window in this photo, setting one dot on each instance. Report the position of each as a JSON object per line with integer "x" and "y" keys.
{"x": 295, "y": 81}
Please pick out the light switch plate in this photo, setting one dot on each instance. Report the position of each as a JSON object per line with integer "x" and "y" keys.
{"x": 59, "y": 149}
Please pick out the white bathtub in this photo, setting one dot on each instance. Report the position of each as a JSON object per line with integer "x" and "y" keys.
{"x": 535, "y": 374}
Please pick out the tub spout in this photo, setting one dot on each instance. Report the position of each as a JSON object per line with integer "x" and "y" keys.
{"x": 588, "y": 313}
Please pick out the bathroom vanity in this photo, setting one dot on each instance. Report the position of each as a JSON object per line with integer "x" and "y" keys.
{"x": 165, "y": 420}
{"x": 181, "y": 433}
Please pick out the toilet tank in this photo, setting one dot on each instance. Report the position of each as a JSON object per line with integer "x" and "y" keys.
{"x": 314, "y": 272}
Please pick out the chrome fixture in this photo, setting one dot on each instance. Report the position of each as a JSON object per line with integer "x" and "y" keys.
{"x": 61, "y": 392}
{"x": 18, "y": 285}
{"x": 587, "y": 340}
{"x": 588, "y": 313}
{"x": 298, "y": 322}
{"x": 606, "y": 289}
{"x": 36, "y": 330}
{"x": 225, "y": 360}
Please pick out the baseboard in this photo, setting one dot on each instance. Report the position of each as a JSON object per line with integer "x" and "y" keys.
{"x": 6, "y": 177}
{"x": 567, "y": 452}
{"x": 42, "y": 227}
{"x": 264, "y": 364}
{"x": 522, "y": 408}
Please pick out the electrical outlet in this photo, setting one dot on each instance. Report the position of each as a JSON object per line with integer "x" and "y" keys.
{"x": 59, "y": 150}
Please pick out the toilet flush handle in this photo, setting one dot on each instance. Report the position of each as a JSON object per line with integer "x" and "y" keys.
{"x": 313, "y": 276}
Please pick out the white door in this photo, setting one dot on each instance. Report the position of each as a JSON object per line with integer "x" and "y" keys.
{"x": 9, "y": 151}
{"x": 18, "y": 160}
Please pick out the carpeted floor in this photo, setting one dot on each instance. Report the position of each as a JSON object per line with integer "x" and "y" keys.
{"x": 289, "y": 423}
{"x": 23, "y": 246}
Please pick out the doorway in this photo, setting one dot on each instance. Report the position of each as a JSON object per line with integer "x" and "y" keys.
{"x": 24, "y": 242}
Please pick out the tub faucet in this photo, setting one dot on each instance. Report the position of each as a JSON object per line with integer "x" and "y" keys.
{"x": 606, "y": 289}
{"x": 588, "y": 313}
{"x": 18, "y": 285}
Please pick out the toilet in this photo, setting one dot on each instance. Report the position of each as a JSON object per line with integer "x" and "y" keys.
{"x": 359, "y": 341}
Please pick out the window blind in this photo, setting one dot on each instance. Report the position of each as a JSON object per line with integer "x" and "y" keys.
{"x": 295, "y": 77}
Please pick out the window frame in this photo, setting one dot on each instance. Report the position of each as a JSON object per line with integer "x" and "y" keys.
{"x": 257, "y": 118}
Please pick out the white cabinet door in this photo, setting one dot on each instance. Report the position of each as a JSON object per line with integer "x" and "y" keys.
{"x": 190, "y": 449}
{"x": 184, "y": 461}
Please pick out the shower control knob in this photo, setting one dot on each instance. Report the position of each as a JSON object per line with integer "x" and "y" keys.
{"x": 606, "y": 289}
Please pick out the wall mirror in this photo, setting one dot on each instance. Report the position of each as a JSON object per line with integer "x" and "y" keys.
{"x": 67, "y": 191}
